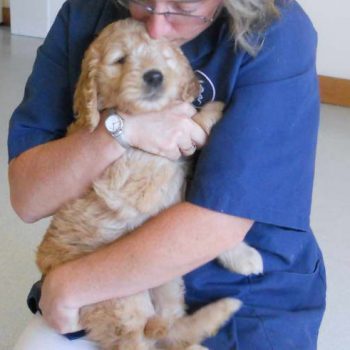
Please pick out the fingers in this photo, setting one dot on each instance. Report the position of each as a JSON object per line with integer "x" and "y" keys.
{"x": 183, "y": 109}
{"x": 198, "y": 135}
{"x": 186, "y": 152}
{"x": 170, "y": 133}
{"x": 56, "y": 313}
{"x": 173, "y": 154}
{"x": 192, "y": 138}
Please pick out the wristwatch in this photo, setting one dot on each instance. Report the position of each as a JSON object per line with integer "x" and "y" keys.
{"x": 115, "y": 126}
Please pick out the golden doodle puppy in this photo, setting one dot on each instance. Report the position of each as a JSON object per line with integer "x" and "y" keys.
{"x": 134, "y": 188}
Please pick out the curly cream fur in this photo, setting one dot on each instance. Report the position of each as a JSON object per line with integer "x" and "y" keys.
{"x": 131, "y": 190}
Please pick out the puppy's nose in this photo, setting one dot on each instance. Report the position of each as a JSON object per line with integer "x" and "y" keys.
{"x": 153, "y": 78}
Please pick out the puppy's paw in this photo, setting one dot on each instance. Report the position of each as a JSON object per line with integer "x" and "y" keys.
{"x": 228, "y": 306}
{"x": 252, "y": 263}
{"x": 218, "y": 313}
{"x": 209, "y": 115}
{"x": 214, "y": 107}
{"x": 156, "y": 328}
{"x": 243, "y": 259}
{"x": 196, "y": 347}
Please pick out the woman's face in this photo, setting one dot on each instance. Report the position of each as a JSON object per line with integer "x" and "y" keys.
{"x": 177, "y": 27}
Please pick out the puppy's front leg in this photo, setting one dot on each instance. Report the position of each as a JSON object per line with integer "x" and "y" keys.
{"x": 209, "y": 115}
{"x": 242, "y": 259}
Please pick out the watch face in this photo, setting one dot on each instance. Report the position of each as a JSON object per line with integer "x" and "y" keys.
{"x": 113, "y": 123}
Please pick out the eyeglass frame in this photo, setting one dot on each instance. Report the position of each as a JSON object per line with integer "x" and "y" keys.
{"x": 150, "y": 10}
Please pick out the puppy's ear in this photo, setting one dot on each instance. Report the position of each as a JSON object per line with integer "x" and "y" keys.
{"x": 192, "y": 88}
{"x": 86, "y": 95}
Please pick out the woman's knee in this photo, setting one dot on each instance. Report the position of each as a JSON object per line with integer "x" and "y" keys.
{"x": 38, "y": 335}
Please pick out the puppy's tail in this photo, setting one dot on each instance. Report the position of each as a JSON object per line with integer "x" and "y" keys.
{"x": 193, "y": 329}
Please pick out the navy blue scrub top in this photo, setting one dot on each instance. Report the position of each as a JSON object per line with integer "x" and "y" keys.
{"x": 258, "y": 163}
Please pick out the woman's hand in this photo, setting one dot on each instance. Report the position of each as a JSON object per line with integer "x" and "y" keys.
{"x": 170, "y": 133}
{"x": 56, "y": 311}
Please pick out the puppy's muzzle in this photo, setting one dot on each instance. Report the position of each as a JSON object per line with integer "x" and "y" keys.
{"x": 153, "y": 78}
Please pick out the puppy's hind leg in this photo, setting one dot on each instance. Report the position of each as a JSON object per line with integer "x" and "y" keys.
{"x": 115, "y": 321}
{"x": 168, "y": 301}
{"x": 193, "y": 329}
{"x": 135, "y": 341}
{"x": 191, "y": 347}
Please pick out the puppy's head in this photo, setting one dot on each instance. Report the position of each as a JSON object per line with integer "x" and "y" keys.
{"x": 124, "y": 68}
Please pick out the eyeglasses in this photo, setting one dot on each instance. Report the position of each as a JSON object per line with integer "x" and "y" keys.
{"x": 179, "y": 12}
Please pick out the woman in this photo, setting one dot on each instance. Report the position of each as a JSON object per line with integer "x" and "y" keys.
{"x": 253, "y": 179}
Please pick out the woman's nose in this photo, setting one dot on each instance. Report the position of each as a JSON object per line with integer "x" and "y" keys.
{"x": 157, "y": 26}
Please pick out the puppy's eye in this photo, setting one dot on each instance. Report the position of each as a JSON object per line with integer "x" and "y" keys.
{"x": 120, "y": 60}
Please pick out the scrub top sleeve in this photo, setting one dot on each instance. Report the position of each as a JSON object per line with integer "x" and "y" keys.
{"x": 46, "y": 108}
{"x": 259, "y": 161}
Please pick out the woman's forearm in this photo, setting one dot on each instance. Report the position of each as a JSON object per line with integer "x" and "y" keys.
{"x": 45, "y": 177}
{"x": 175, "y": 242}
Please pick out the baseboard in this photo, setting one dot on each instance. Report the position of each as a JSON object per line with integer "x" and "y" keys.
{"x": 335, "y": 91}
{"x": 6, "y": 16}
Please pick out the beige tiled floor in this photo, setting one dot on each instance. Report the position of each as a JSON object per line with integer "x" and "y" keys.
{"x": 330, "y": 216}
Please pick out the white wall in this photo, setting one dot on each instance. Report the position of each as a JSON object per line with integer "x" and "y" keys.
{"x": 54, "y": 6}
{"x": 332, "y": 22}
{"x": 331, "y": 19}
{"x": 33, "y": 17}
{"x": 29, "y": 17}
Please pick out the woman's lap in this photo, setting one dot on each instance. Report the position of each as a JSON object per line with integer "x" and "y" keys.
{"x": 38, "y": 335}
{"x": 282, "y": 309}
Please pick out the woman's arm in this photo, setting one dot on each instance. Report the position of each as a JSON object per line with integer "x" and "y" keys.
{"x": 45, "y": 177}
{"x": 173, "y": 243}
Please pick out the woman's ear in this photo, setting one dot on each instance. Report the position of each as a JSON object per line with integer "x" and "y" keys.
{"x": 86, "y": 95}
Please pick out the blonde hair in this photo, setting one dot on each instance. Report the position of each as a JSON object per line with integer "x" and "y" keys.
{"x": 248, "y": 20}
